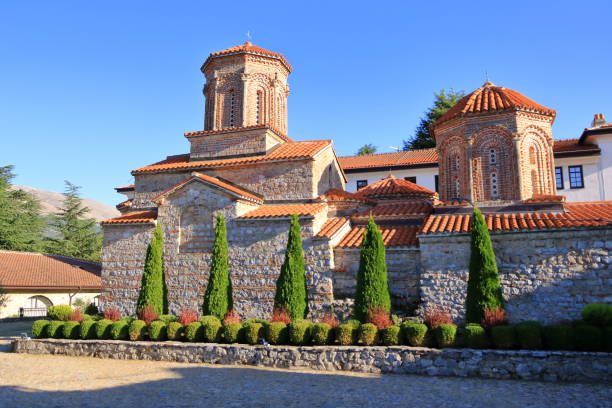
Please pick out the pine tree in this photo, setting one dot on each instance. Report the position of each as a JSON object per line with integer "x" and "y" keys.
{"x": 291, "y": 290}
{"x": 74, "y": 234}
{"x": 218, "y": 297}
{"x": 372, "y": 285}
{"x": 153, "y": 285}
{"x": 21, "y": 224}
{"x": 484, "y": 290}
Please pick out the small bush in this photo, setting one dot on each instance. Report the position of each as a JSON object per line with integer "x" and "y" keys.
{"x": 396, "y": 320}
{"x": 529, "y": 335}
{"x": 557, "y": 337}
{"x": 277, "y": 333}
{"x": 322, "y": 334}
{"x": 194, "y": 332}
{"x": 157, "y": 330}
{"x": 391, "y": 336}
{"x": 55, "y": 329}
{"x": 70, "y": 330}
{"x": 76, "y": 316}
{"x": 120, "y": 330}
{"x": 87, "y": 330}
{"x": 148, "y": 314}
{"x": 211, "y": 328}
{"x": 91, "y": 309}
{"x": 475, "y": 336}
{"x": 280, "y": 315}
{"x": 587, "y": 338}
{"x": 434, "y": 318}
{"x": 167, "y": 318}
{"x": 504, "y": 337}
{"x": 112, "y": 313}
{"x": 39, "y": 329}
{"x": 354, "y": 323}
{"x": 231, "y": 317}
{"x": 128, "y": 319}
{"x": 597, "y": 314}
{"x": 233, "y": 332}
{"x": 174, "y": 331}
{"x": 87, "y": 317}
{"x": 253, "y": 332}
{"x": 379, "y": 317}
{"x": 368, "y": 334}
{"x": 300, "y": 332}
{"x": 137, "y": 330}
{"x": 103, "y": 329}
{"x": 187, "y": 316}
{"x": 414, "y": 334}
{"x": 494, "y": 317}
{"x": 346, "y": 334}
{"x": 59, "y": 312}
{"x": 445, "y": 335}
{"x": 330, "y": 319}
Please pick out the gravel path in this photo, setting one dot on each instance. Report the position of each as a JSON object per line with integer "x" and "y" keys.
{"x": 58, "y": 381}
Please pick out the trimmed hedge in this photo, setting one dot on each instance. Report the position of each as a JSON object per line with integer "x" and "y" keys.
{"x": 446, "y": 335}
{"x": 71, "y": 330}
{"x": 120, "y": 330}
{"x": 59, "y": 312}
{"x": 300, "y": 332}
{"x": 391, "y": 336}
{"x": 157, "y": 330}
{"x": 322, "y": 334}
{"x": 346, "y": 334}
{"x": 211, "y": 329}
{"x": 277, "y": 333}
{"x": 529, "y": 335}
{"x": 597, "y": 314}
{"x": 368, "y": 334}
{"x": 174, "y": 331}
{"x": 253, "y": 332}
{"x": 558, "y": 337}
{"x": 588, "y": 338}
{"x": 233, "y": 332}
{"x": 504, "y": 337}
{"x": 415, "y": 334}
{"x": 354, "y": 323}
{"x": 167, "y": 318}
{"x": 39, "y": 328}
{"x": 55, "y": 329}
{"x": 137, "y": 330}
{"x": 102, "y": 329}
{"x": 475, "y": 336}
{"x": 194, "y": 332}
{"x": 87, "y": 330}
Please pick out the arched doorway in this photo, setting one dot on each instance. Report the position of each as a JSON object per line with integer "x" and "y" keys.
{"x": 35, "y": 306}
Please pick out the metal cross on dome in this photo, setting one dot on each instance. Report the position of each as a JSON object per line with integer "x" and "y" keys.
{"x": 248, "y": 36}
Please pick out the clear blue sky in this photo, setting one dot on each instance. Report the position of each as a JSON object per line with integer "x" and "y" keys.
{"x": 91, "y": 90}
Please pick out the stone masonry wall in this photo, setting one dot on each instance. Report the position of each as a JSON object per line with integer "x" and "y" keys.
{"x": 545, "y": 276}
{"x": 232, "y": 143}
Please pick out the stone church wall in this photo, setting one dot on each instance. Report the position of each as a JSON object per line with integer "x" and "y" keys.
{"x": 545, "y": 276}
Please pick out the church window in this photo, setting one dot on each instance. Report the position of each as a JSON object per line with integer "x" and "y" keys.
{"x": 457, "y": 189}
{"x": 532, "y": 155}
{"x": 492, "y": 156}
{"x": 456, "y": 163}
{"x": 494, "y": 185}
{"x": 232, "y": 112}
{"x": 559, "y": 177}
{"x": 258, "y": 108}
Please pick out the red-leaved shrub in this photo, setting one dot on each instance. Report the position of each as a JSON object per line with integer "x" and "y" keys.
{"x": 433, "y": 318}
{"x": 494, "y": 317}
{"x": 231, "y": 317}
{"x": 379, "y": 317}
{"x": 187, "y": 316}
{"x": 147, "y": 314}
{"x": 76, "y": 316}
{"x": 280, "y": 315}
{"x": 330, "y": 319}
{"x": 112, "y": 313}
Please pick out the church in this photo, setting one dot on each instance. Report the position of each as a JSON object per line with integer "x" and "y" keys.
{"x": 494, "y": 150}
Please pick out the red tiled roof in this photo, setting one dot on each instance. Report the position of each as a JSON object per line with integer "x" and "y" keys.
{"x": 285, "y": 152}
{"x": 397, "y": 209}
{"x": 572, "y": 145}
{"x": 393, "y": 236}
{"x": 237, "y": 129}
{"x": 331, "y": 227}
{"x": 545, "y": 198}
{"x": 124, "y": 204}
{"x": 284, "y": 210}
{"x": 246, "y": 195}
{"x": 452, "y": 203}
{"x": 128, "y": 187}
{"x": 491, "y": 98}
{"x": 336, "y": 194}
{"x": 578, "y": 215}
{"x": 404, "y": 158}
{"x": 249, "y": 48}
{"x": 25, "y": 270}
{"x": 135, "y": 217}
{"x": 391, "y": 187}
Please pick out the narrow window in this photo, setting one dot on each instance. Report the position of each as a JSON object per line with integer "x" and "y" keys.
{"x": 559, "y": 177}
{"x": 232, "y": 108}
{"x": 456, "y": 163}
{"x": 492, "y": 156}
{"x": 258, "y": 108}
{"x": 457, "y": 189}
{"x": 410, "y": 179}
{"x": 494, "y": 189}
{"x": 436, "y": 183}
{"x": 532, "y": 155}
{"x": 361, "y": 184}
{"x": 575, "y": 177}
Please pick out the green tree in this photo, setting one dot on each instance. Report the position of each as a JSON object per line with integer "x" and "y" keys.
{"x": 153, "y": 286}
{"x": 366, "y": 149}
{"x": 218, "y": 297}
{"x": 291, "y": 290}
{"x": 21, "y": 224}
{"x": 443, "y": 101}
{"x": 74, "y": 234}
{"x": 484, "y": 290}
{"x": 372, "y": 285}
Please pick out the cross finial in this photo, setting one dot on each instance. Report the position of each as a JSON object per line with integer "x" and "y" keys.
{"x": 486, "y": 76}
{"x": 248, "y": 36}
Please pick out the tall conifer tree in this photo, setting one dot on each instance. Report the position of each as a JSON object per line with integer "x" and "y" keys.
{"x": 218, "y": 297}
{"x": 484, "y": 290}
{"x": 153, "y": 285}
{"x": 291, "y": 289}
{"x": 372, "y": 284}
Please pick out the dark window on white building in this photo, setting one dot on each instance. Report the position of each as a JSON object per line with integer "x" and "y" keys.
{"x": 575, "y": 177}
{"x": 361, "y": 184}
{"x": 410, "y": 179}
{"x": 559, "y": 177}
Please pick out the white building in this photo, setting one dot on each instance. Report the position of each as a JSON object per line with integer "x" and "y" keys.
{"x": 583, "y": 167}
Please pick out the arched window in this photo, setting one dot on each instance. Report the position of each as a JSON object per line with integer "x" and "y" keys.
{"x": 457, "y": 191}
{"x": 492, "y": 156}
{"x": 532, "y": 155}
{"x": 232, "y": 108}
{"x": 494, "y": 186}
{"x": 258, "y": 103}
{"x": 38, "y": 302}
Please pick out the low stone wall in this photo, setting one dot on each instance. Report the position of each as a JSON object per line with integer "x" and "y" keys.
{"x": 525, "y": 365}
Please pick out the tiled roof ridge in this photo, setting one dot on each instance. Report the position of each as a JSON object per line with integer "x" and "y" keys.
{"x": 284, "y": 210}
{"x": 240, "y": 128}
{"x": 392, "y": 186}
{"x": 390, "y": 153}
{"x": 134, "y": 217}
{"x": 249, "y": 48}
{"x": 65, "y": 257}
{"x": 336, "y": 194}
{"x": 392, "y": 235}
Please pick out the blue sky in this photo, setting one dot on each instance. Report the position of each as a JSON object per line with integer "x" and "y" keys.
{"x": 91, "y": 90}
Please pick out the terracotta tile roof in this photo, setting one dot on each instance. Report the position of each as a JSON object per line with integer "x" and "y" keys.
{"x": 452, "y": 203}
{"x": 135, "y": 217}
{"x": 336, "y": 194}
{"x": 285, "y": 152}
{"x": 578, "y": 215}
{"x": 331, "y": 227}
{"x": 396, "y": 210}
{"x": 573, "y": 145}
{"x": 124, "y": 205}
{"x": 128, "y": 187}
{"x": 545, "y": 198}
{"x": 25, "y": 270}
{"x": 391, "y": 187}
{"x": 284, "y": 210}
{"x": 393, "y": 236}
{"x": 224, "y": 185}
{"x": 404, "y": 158}
{"x": 237, "y": 129}
{"x": 249, "y": 48}
{"x": 491, "y": 98}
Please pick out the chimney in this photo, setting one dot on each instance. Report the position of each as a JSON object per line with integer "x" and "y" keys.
{"x": 598, "y": 120}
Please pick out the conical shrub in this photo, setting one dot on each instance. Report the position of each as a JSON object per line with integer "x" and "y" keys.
{"x": 153, "y": 286}
{"x": 218, "y": 296}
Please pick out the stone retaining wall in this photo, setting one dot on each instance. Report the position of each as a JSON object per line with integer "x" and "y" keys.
{"x": 525, "y": 365}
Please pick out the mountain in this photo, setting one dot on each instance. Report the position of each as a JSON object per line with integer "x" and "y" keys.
{"x": 51, "y": 201}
